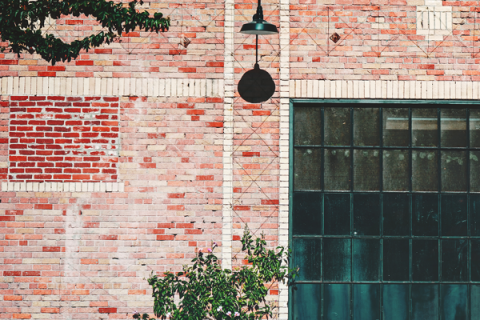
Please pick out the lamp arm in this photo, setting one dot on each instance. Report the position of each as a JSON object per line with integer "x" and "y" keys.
{"x": 259, "y": 14}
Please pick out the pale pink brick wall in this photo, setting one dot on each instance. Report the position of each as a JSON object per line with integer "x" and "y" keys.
{"x": 379, "y": 41}
{"x": 85, "y": 254}
{"x": 138, "y": 54}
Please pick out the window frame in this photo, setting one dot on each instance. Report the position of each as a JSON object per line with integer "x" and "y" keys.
{"x": 380, "y": 103}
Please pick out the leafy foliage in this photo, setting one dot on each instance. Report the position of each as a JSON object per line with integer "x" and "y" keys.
{"x": 206, "y": 291}
{"x": 21, "y": 21}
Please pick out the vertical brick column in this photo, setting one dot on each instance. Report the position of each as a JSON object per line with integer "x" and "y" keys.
{"x": 228, "y": 135}
{"x": 283, "y": 214}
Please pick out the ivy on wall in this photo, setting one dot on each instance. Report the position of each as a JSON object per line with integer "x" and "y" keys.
{"x": 21, "y": 22}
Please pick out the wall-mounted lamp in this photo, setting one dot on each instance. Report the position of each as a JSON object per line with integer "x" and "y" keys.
{"x": 258, "y": 25}
{"x": 257, "y": 85}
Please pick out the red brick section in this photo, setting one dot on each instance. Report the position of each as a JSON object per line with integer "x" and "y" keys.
{"x": 63, "y": 139}
{"x": 85, "y": 255}
{"x": 157, "y": 55}
{"x": 4, "y": 114}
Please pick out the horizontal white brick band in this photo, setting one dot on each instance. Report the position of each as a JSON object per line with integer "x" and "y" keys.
{"x": 358, "y": 89}
{"x": 63, "y": 186}
{"x": 142, "y": 87}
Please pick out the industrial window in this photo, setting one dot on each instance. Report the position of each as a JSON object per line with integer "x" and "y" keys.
{"x": 385, "y": 211}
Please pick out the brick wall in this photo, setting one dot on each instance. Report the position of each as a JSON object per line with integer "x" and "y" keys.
{"x": 86, "y": 254}
{"x": 380, "y": 41}
{"x": 137, "y": 54}
{"x": 63, "y": 139}
{"x": 119, "y": 114}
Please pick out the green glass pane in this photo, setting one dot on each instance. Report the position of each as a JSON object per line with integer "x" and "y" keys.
{"x": 425, "y": 215}
{"x": 395, "y": 127}
{"x": 366, "y": 301}
{"x": 396, "y": 214}
{"x": 306, "y": 301}
{"x": 395, "y": 302}
{"x": 454, "y": 260}
{"x": 424, "y": 170}
{"x": 425, "y": 260}
{"x": 366, "y": 214}
{"x": 337, "y": 259}
{"x": 474, "y": 128}
{"x": 336, "y": 303}
{"x": 337, "y": 169}
{"x": 454, "y": 215}
{"x": 337, "y": 126}
{"x": 396, "y": 170}
{"x": 474, "y": 222}
{"x": 366, "y": 259}
{"x": 454, "y": 170}
{"x": 475, "y": 171}
{"x": 337, "y": 214}
{"x": 395, "y": 259}
{"x": 454, "y": 302}
{"x": 307, "y": 254}
{"x": 424, "y": 127}
{"x": 475, "y": 302}
{"x": 453, "y": 126}
{"x": 366, "y": 170}
{"x": 307, "y": 126}
{"x": 307, "y": 213}
{"x": 424, "y": 302}
{"x": 307, "y": 169}
{"x": 475, "y": 256}
{"x": 366, "y": 126}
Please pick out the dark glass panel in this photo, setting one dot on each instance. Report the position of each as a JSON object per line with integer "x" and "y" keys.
{"x": 366, "y": 214}
{"x": 474, "y": 128}
{"x": 395, "y": 127}
{"x": 366, "y": 259}
{"x": 475, "y": 171}
{"x": 425, "y": 215}
{"x": 307, "y": 213}
{"x": 395, "y": 259}
{"x": 454, "y": 215}
{"x": 396, "y": 214}
{"x": 307, "y": 169}
{"x": 424, "y": 302}
{"x": 454, "y": 260}
{"x": 424, "y": 127}
{"x": 474, "y": 222}
{"x": 425, "y": 260}
{"x": 453, "y": 126}
{"x": 366, "y": 170}
{"x": 337, "y": 256}
{"x": 454, "y": 302}
{"x": 307, "y": 256}
{"x": 454, "y": 170}
{"x": 475, "y": 302}
{"x": 308, "y": 126}
{"x": 337, "y": 169}
{"x": 395, "y": 302}
{"x": 337, "y": 214}
{"x": 366, "y": 301}
{"x": 475, "y": 256}
{"x": 396, "y": 170}
{"x": 337, "y": 126}
{"x": 306, "y": 301}
{"x": 366, "y": 126}
{"x": 336, "y": 303}
{"x": 425, "y": 170}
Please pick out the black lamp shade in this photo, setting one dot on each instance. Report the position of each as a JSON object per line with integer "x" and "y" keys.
{"x": 259, "y": 27}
